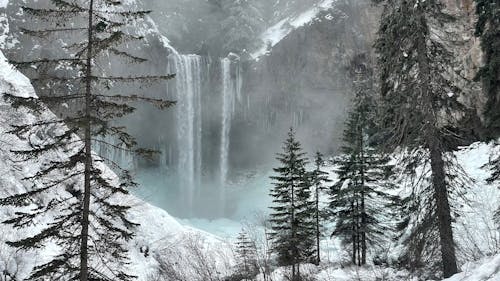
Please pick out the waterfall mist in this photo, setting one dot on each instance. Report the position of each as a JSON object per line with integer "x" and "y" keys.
{"x": 218, "y": 144}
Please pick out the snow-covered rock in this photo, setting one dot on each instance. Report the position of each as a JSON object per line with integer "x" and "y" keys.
{"x": 274, "y": 34}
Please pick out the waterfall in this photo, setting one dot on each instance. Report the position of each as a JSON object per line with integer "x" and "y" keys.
{"x": 115, "y": 155}
{"x": 189, "y": 124}
{"x": 227, "y": 110}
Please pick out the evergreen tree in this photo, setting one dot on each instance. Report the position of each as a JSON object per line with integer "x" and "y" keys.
{"x": 488, "y": 28}
{"x": 241, "y": 27}
{"x": 419, "y": 105}
{"x": 359, "y": 198}
{"x": 291, "y": 218}
{"x": 86, "y": 216}
{"x": 246, "y": 252}
{"x": 318, "y": 180}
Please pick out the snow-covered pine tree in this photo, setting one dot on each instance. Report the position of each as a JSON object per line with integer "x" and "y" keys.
{"x": 84, "y": 215}
{"x": 246, "y": 252}
{"x": 488, "y": 28}
{"x": 319, "y": 179}
{"x": 418, "y": 110}
{"x": 242, "y": 25}
{"x": 291, "y": 218}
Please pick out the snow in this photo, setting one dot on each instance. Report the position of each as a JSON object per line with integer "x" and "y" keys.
{"x": 277, "y": 32}
{"x": 486, "y": 269}
{"x": 13, "y": 82}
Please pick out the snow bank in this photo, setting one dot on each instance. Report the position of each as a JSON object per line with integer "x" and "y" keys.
{"x": 13, "y": 82}
{"x": 485, "y": 270}
{"x": 277, "y": 32}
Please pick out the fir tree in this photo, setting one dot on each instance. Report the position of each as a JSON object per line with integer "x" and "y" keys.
{"x": 359, "y": 198}
{"x": 86, "y": 217}
{"x": 318, "y": 180}
{"x": 488, "y": 28}
{"x": 246, "y": 252}
{"x": 291, "y": 218}
{"x": 419, "y": 104}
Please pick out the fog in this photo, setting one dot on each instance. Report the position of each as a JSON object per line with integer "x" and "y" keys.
{"x": 218, "y": 145}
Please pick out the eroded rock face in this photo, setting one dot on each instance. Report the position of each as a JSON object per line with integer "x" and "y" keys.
{"x": 466, "y": 48}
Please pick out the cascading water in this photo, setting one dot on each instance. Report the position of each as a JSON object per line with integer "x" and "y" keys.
{"x": 231, "y": 89}
{"x": 189, "y": 122}
{"x": 114, "y": 154}
{"x": 227, "y": 110}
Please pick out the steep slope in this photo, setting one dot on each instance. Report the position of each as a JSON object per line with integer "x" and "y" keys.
{"x": 487, "y": 269}
{"x": 160, "y": 240}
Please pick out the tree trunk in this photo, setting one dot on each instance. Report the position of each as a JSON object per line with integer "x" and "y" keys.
{"x": 318, "y": 258}
{"x": 363, "y": 209}
{"x": 353, "y": 233}
{"x": 433, "y": 143}
{"x": 294, "y": 242}
{"x": 443, "y": 213}
{"x": 84, "y": 272}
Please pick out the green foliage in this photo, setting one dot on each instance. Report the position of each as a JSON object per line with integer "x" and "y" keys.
{"x": 359, "y": 199}
{"x": 246, "y": 253}
{"x": 421, "y": 113}
{"x": 292, "y": 212}
{"x": 318, "y": 180}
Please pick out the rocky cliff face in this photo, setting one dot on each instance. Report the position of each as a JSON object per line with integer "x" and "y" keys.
{"x": 459, "y": 37}
{"x": 304, "y": 80}
{"x": 307, "y": 69}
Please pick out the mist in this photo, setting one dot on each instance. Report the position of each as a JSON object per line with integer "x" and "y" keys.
{"x": 218, "y": 144}
{"x": 245, "y": 75}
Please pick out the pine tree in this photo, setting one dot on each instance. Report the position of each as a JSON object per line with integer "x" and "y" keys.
{"x": 418, "y": 110}
{"x": 319, "y": 179}
{"x": 246, "y": 252}
{"x": 292, "y": 232}
{"x": 359, "y": 198}
{"x": 85, "y": 215}
{"x": 488, "y": 28}
{"x": 242, "y": 25}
